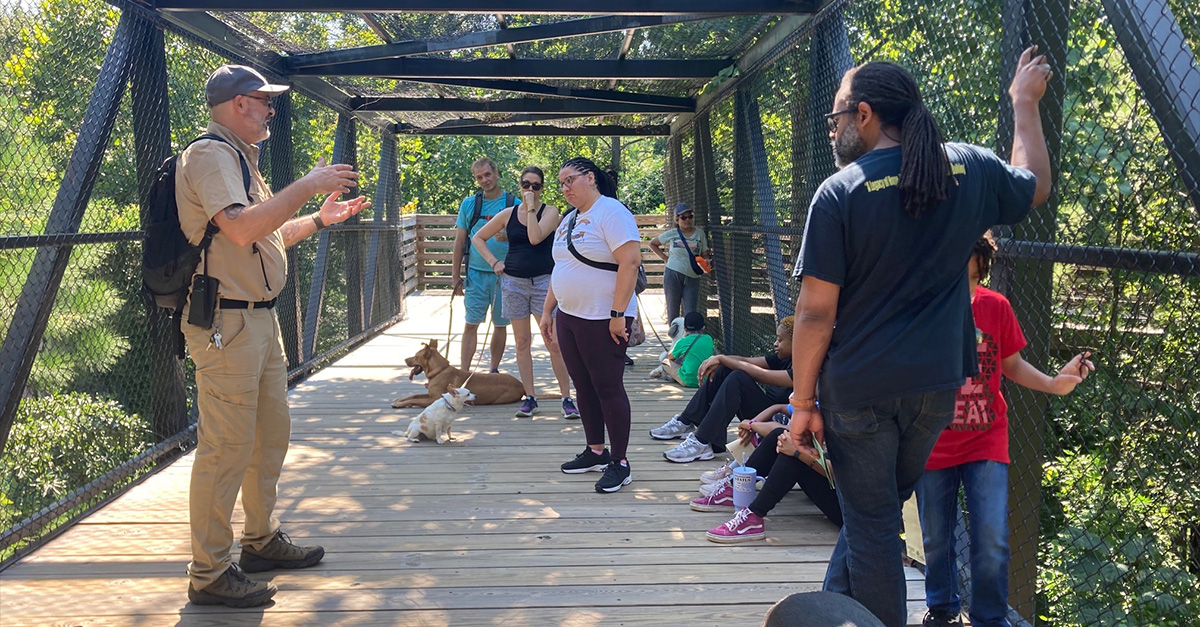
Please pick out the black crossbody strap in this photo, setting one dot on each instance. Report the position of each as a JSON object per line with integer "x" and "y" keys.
{"x": 684, "y": 240}
{"x": 689, "y": 349}
{"x": 611, "y": 267}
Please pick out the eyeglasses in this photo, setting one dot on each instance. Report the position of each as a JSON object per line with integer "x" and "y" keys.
{"x": 264, "y": 99}
{"x": 537, "y": 187}
{"x": 570, "y": 180}
{"x": 686, "y": 216}
{"x": 831, "y": 118}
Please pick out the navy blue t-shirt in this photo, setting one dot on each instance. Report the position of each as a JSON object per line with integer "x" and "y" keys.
{"x": 775, "y": 393}
{"x": 904, "y": 323}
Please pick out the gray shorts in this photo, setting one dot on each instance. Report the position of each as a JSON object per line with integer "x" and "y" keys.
{"x": 521, "y": 298}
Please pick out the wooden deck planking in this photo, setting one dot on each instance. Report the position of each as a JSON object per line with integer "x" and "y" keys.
{"x": 481, "y": 531}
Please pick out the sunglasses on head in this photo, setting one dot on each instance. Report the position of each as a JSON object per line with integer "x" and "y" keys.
{"x": 537, "y": 187}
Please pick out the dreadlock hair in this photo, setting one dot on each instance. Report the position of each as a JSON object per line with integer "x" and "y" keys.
{"x": 603, "y": 183}
{"x": 896, "y": 99}
{"x": 985, "y": 249}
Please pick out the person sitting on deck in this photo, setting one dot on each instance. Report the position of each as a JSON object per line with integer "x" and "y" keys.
{"x": 683, "y": 361}
{"x": 776, "y": 458}
{"x": 731, "y": 387}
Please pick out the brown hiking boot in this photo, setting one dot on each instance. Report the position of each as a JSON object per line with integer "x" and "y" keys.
{"x": 280, "y": 553}
{"x": 234, "y": 589}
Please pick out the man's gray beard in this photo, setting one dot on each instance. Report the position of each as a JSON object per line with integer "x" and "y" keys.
{"x": 848, "y": 147}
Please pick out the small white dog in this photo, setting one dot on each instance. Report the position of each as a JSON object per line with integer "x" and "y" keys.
{"x": 434, "y": 421}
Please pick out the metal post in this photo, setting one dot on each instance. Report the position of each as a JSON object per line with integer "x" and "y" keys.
{"x": 1165, "y": 68}
{"x": 764, "y": 194}
{"x": 1029, "y": 287}
{"x": 743, "y": 243}
{"x": 382, "y": 188}
{"x": 708, "y": 200}
{"x": 283, "y": 173}
{"x": 152, "y": 145}
{"x": 342, "y": 143}
{"x": 353, "y": 239}
{"x": 45, "y": 275}
{"x": 397, "y": 276}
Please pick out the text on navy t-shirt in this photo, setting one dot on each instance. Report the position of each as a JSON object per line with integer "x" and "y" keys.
{"x": 903, "y": 324}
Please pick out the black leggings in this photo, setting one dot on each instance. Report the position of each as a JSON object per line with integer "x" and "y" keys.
{"x": 782, "y": 472}
{"x": 726, "y": 394}
{"x": 597, "y": 368}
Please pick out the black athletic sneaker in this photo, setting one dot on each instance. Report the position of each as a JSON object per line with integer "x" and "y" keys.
{"x": 934, "y": 618}
{"x": 587, "y": 461}
{"x": 614, "y": 477}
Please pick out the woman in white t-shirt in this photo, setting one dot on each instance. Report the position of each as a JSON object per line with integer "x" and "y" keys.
{"x": 592, "y": 288}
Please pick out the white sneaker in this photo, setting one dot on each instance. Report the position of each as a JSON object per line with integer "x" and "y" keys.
{"x": 689, "y": 450}
{"x": 709, "y": 489}
{"x": 718, "y": 474}
{"x": 657, "y": 373}
{"x": 673, "y": 429}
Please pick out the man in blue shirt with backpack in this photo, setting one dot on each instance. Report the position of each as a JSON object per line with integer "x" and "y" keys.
{"x": 480, "y": 287}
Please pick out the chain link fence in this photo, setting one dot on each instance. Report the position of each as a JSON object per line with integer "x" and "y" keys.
{"x": 92, "y": 99}
{"x": 1104, "y": 512}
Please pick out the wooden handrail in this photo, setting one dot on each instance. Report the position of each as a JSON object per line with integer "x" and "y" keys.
{"x": 428, "y": 248}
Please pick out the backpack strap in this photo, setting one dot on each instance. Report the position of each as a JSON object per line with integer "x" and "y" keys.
{"x": 212, "y": 228}
{"x": 478, "y": 212}
{"x": 241, "y": 160}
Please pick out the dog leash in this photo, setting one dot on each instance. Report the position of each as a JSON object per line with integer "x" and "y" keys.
{"x": 450, "y": 327}
{"x": 642, "y": 309}
{"x": 479, "y": 352}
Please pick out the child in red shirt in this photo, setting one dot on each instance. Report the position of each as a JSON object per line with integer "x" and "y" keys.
{"x": 973, "y": 452}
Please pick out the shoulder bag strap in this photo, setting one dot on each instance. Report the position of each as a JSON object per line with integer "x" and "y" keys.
{"x": 611, "y": 267}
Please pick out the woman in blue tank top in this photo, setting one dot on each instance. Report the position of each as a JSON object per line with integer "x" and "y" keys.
{"x": 525, "y": 278}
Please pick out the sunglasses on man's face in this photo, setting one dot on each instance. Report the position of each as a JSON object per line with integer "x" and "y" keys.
{"x": 537, "y": 187}
{"x": 686, "y": 216}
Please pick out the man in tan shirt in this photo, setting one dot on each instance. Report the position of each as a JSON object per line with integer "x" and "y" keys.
{"x": 241, "y": 371}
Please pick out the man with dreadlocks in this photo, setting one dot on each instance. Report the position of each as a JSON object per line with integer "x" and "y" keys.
{"x": 884, "y": 257}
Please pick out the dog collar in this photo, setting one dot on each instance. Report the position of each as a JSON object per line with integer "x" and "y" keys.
{"x": 446, "y": 400}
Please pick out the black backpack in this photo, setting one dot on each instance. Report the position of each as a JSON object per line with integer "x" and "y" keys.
{"x": 168, "y": 259}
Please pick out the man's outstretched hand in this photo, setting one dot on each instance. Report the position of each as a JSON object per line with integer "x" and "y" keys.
{"x": 334, "y": 211}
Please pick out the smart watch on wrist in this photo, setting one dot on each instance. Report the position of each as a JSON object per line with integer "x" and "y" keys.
{"x": 613, "y": 313}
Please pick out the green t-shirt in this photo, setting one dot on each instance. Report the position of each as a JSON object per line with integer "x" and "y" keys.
{"x": 698, "y": 347}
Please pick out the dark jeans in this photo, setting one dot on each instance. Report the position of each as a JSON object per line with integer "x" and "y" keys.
{"x": 682, "y": 292}
{"x": 726, "y": 393}
{"x": 597, "y": 368}
{"x": 782, "y": 472}
{"x": 879, "y": 452}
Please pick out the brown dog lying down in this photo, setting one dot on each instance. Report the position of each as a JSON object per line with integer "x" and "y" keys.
{"x": 489, "y": 389}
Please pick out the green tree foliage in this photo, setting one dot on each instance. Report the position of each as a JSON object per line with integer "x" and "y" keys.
{"x": 60, "y": 443}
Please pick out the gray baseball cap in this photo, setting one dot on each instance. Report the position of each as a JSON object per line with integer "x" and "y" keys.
{"x": 682, "y": 208}
{"x": 234, "y": 80}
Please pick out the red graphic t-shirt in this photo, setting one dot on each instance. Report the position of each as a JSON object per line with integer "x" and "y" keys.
{"x": 980, "y": 428}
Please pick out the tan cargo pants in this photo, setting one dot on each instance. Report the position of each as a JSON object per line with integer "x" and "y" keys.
{"x": 242, "y": 437}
